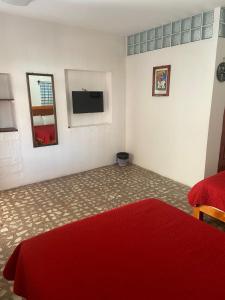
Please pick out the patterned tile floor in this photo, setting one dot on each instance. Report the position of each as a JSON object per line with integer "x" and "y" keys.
{"x": 32, "y": 209}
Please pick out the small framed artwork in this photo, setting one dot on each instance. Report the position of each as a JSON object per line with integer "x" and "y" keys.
{"x": 161, "y": 81}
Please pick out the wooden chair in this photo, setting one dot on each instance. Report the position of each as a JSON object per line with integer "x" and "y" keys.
{"x": 199, "y": 211}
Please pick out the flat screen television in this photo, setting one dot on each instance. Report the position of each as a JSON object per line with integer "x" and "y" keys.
{"x": 87, "y": 102}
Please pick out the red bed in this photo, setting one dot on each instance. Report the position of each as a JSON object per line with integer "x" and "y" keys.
{"x": 45, "y": 134}
{"x": 142, "y": 251}
{"x": 208, "y": 196}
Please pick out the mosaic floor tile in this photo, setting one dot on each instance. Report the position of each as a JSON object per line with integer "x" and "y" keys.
{"x": 32, "y": 209}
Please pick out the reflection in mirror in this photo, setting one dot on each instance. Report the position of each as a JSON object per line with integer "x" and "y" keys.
{"x": 42, "y": 109}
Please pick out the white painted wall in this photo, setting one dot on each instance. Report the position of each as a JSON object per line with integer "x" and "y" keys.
{"x": 216, "y": 116}
{"x": 168, "y": 135}
{"x": 35, "y": 46}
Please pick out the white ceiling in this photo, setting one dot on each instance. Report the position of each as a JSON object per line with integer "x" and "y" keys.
{"x": 115, "y": 16}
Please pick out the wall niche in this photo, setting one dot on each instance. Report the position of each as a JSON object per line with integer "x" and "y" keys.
{"x": 78, "y": 80}
{"x": 7, "y": 108}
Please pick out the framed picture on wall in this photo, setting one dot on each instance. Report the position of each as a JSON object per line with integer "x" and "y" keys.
{"x": 161, "y": 81}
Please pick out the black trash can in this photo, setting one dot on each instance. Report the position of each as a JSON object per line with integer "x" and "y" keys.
{"x": 122, "y": 158}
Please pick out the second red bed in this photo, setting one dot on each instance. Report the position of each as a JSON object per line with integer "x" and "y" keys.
{"x": 208, "y": 197}
{"x": 210, "y": 191}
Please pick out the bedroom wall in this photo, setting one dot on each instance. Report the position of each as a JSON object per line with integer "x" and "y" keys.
{"x": 35, "y": 46}
{"x": 168, "y": 135}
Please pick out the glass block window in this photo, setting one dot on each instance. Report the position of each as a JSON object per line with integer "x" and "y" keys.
{"x": 136, "y": 48}
{"x": 143, "y": 47}
{"x": 222, "y": 30}
{"x": 187, "y": 30}
{"x": 143, "y": 37}
{"x": 207, "y": 32}
{"x": 130, "y": 50}
{"x": 197, "y": 21}
{"x": 222, "y": 15}
{"x": 186, "y": 37}
{"x": 196, "y": 34}
{"x": 186, "y": 24}
{"x": 151, "y": 34}
{"x": 167, "y": 29}
{"x": 130, "y": 40}
{"x": 176, "y": 27}
{"x": 46, "y": 92}
{"x": 158, "y": 32}
{"x": 222, "y": 23}
{"x": 175, "y": 39}
{"x": 208, "y": 18}
{"x": 151, "y": 45}
{"x": 137, "y": 38}
{"x": 158, "y": 44}
{"x": 167, "y": 41}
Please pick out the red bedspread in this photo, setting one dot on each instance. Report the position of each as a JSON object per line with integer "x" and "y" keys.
{"x": 143, "y": 251}
{"x": 45, "y": 134}
{"x": 210, "y": 191}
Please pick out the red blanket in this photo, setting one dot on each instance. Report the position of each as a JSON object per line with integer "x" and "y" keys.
{"x": 45, "y": 134}
{"x": 143, "y": 251}
{"x": 210, "y": 191}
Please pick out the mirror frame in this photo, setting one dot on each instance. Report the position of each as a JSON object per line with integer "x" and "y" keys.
{"x": 30, "y": 104}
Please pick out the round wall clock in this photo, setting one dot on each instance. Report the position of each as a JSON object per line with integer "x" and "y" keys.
{"x": 221, "y": 72}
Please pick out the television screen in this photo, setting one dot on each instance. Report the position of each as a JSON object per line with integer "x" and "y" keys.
{"x": 87, "y": 102}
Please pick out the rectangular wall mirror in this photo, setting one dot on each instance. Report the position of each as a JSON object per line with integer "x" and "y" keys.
{"x": 42, "y": 109}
